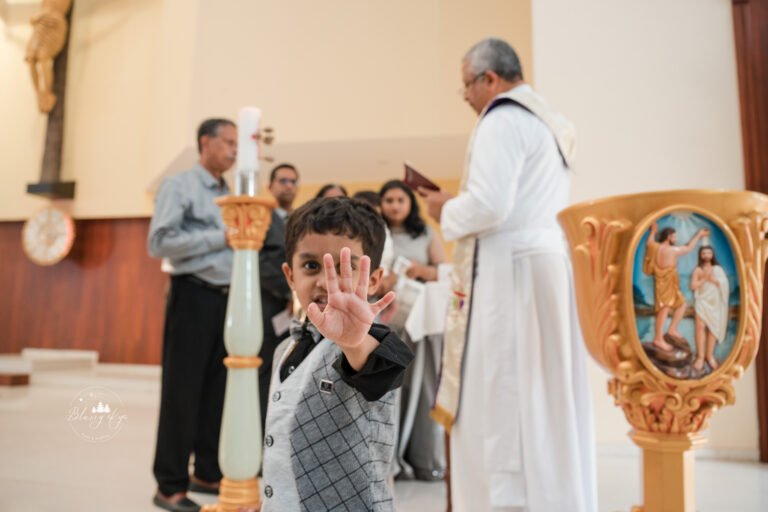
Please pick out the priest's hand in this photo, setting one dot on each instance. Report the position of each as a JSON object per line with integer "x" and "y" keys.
{"x": 434, "y": 199}
{"x": 348, "y": 315}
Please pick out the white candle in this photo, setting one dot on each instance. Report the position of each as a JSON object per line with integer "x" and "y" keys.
{"x": 247, "y": 146}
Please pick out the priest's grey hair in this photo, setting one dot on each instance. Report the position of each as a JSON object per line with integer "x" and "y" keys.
{"x": 495, "y": 55}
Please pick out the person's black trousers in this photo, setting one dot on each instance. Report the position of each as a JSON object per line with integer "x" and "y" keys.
{"x": 270, "y": 306}
{"x": 193, "y": 383}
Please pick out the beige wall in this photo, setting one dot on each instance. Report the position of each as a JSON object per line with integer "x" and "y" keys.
{"x": 110, "y": 108}
{"x": 652, "y": 88}
{"x": 352, "y": 89}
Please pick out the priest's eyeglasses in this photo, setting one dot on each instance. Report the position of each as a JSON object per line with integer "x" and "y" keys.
{"x": 469, "y": 84}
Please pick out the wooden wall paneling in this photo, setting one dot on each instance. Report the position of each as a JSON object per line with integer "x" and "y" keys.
{"x": 108, "y": 295}
{"x": 750, "y": 22}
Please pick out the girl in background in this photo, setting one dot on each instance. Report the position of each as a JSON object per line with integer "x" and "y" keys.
{"x": 421, "y": 444}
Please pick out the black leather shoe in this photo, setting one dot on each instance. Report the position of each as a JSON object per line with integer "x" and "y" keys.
{"x": 184, "y": 505}
{"x": 203, "y": 489}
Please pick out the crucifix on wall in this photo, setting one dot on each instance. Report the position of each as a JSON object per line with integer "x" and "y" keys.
{"x": 47, "y": 59}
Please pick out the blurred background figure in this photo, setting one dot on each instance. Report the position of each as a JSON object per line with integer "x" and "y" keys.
{"x": 413, "y": 239}
{"x": 421, "y": 447}
{"x": 332, "y": 190}
{"x": 283, "y": 185}
{"x": 388, "y": 256}
{"x": 188, "y": 232}
{"x": 276, "y": 297}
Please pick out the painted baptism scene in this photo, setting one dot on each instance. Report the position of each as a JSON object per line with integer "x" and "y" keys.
{"x": 686, "y": 295}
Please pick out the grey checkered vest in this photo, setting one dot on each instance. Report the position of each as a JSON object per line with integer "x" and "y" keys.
{"x": 326, "y": 447}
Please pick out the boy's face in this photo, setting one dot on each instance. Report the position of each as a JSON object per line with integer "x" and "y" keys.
{"x": 305, "y": 273}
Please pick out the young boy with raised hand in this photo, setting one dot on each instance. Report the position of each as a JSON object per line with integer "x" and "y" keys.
{"x": 330, "y": 429}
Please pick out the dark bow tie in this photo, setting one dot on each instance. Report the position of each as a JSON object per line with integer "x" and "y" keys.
{"x": 301, "y": 329}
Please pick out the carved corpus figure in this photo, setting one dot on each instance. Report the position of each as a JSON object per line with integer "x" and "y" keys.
{"x": 48, "y": 38}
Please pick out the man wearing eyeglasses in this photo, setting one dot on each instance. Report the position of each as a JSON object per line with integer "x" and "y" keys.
{"x": 275, "y": 293}
{"x": 188, "y": 232}
{"x": 513, "y": 388}
{"x": 283, "y": 185}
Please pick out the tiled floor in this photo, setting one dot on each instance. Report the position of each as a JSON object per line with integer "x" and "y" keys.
{"x": 45, "y": 466}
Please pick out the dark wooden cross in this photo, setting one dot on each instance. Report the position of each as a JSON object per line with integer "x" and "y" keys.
{"x": 50, "y": 184}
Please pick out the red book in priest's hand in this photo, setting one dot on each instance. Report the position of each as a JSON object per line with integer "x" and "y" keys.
{"x": 415, "y": 180}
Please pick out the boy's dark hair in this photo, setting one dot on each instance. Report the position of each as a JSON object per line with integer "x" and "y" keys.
{"x": 340, "y": 216}
{"x": 413, "y": 224}
{"x": 369, "y": 196}
{"x": 665, "y": 233}
{"x": 276, "y": 168}
{"x": 210, "y": 127}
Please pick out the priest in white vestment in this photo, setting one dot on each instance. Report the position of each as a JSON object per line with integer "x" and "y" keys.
{"x": 513, "y": 389}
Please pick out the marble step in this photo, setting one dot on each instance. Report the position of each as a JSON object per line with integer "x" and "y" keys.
{"x": 60, "y": 359}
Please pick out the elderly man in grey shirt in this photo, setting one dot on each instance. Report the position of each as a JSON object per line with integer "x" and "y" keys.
{"x": 187, "y": 231}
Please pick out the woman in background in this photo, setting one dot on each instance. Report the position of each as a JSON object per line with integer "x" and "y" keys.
{"x": 413, "y": 239}
{"x": 421, "y": 448}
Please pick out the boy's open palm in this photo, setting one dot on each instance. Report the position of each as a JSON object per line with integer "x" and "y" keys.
{"x": 348, "y": 315}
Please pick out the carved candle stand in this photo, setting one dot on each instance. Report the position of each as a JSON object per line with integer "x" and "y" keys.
{"x": 247, "y": 219}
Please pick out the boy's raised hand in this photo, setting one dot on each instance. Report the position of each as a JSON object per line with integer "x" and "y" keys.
{"x": 348, "y": 316}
